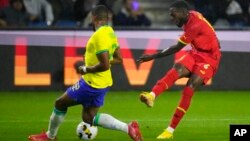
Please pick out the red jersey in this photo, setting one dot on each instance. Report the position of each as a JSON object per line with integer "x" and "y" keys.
{"x": 201, "y": 35}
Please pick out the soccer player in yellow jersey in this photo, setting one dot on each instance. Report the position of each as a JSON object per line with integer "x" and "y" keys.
{"x": 102, "y": 50}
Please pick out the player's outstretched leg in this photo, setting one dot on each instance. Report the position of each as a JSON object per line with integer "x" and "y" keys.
{"x": 163, "y": 84}
{"x": 109, "y": 122}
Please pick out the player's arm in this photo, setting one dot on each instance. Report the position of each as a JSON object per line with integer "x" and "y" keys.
{"x": 171, "y": 50}
{"x": 103, "y": 64}
{"x": 117, "y": 57}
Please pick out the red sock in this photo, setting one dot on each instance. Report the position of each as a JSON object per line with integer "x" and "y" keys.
{"x": 183, "y": 106}
{"x": 166, "y": 82}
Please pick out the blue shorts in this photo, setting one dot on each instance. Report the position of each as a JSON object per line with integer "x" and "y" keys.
{"x": 84, "y": 94}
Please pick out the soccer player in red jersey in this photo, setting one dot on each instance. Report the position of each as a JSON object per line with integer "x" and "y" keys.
{"x": 198, "y": 64}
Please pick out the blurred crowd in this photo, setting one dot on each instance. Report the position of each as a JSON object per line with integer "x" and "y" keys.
{"x": 68, "y": 13}
{"x": 232, "y": 13}
{"x": 123, "y": 13}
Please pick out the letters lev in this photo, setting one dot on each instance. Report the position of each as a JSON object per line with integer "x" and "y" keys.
{"x": 18, "y": 47}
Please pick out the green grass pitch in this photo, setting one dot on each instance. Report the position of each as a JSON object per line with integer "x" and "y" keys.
{"x": 208, "y": 119}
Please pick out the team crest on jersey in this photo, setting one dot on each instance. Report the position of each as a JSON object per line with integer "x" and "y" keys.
{"x": 206, "y": 66}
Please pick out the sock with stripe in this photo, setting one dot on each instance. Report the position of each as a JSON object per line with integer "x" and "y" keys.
{"x": 183, "y": 106}
{"x": 108, "y": 121}
{"x": 166, "y": 82}
{"x": 56, "y": 119}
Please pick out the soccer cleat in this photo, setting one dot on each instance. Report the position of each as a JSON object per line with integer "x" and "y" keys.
{"x": 165, "y": 135}
{"x": 134, "y": 131}
{"x": 40, "y": 137}
{"x": 147, "y": 98}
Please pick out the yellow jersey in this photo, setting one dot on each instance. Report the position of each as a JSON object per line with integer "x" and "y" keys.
{"x": 103, "y": 40}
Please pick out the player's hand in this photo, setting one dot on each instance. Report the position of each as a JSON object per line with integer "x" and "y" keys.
{"x": 82, "y": 69}
{"x": 144, "y": 58}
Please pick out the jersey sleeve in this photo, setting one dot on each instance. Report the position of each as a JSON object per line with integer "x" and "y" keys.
{"x": 116, "y": 44}
{"x": 190, "y": 34}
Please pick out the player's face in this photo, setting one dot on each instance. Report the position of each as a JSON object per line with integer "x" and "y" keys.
{"x": 178, "y": 16}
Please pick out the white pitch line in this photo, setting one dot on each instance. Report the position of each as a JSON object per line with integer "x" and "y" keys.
{"x": 155, "y": 120}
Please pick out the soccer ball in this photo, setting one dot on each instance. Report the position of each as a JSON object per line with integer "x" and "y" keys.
{"x": 86, "y": 131}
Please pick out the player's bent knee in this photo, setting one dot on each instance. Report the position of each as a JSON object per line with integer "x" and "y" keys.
{"x": 181, "y": 70}
{"x": 60, "y": 104}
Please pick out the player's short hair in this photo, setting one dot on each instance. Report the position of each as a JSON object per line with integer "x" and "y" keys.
{"x": 180, "y": 4}
{"x": 101, "y": 12}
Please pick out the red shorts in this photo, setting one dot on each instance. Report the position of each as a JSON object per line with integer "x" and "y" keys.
{"x": 202, "y": 65}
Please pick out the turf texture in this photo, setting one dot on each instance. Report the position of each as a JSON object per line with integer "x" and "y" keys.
{"x": 208, "y": 119}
